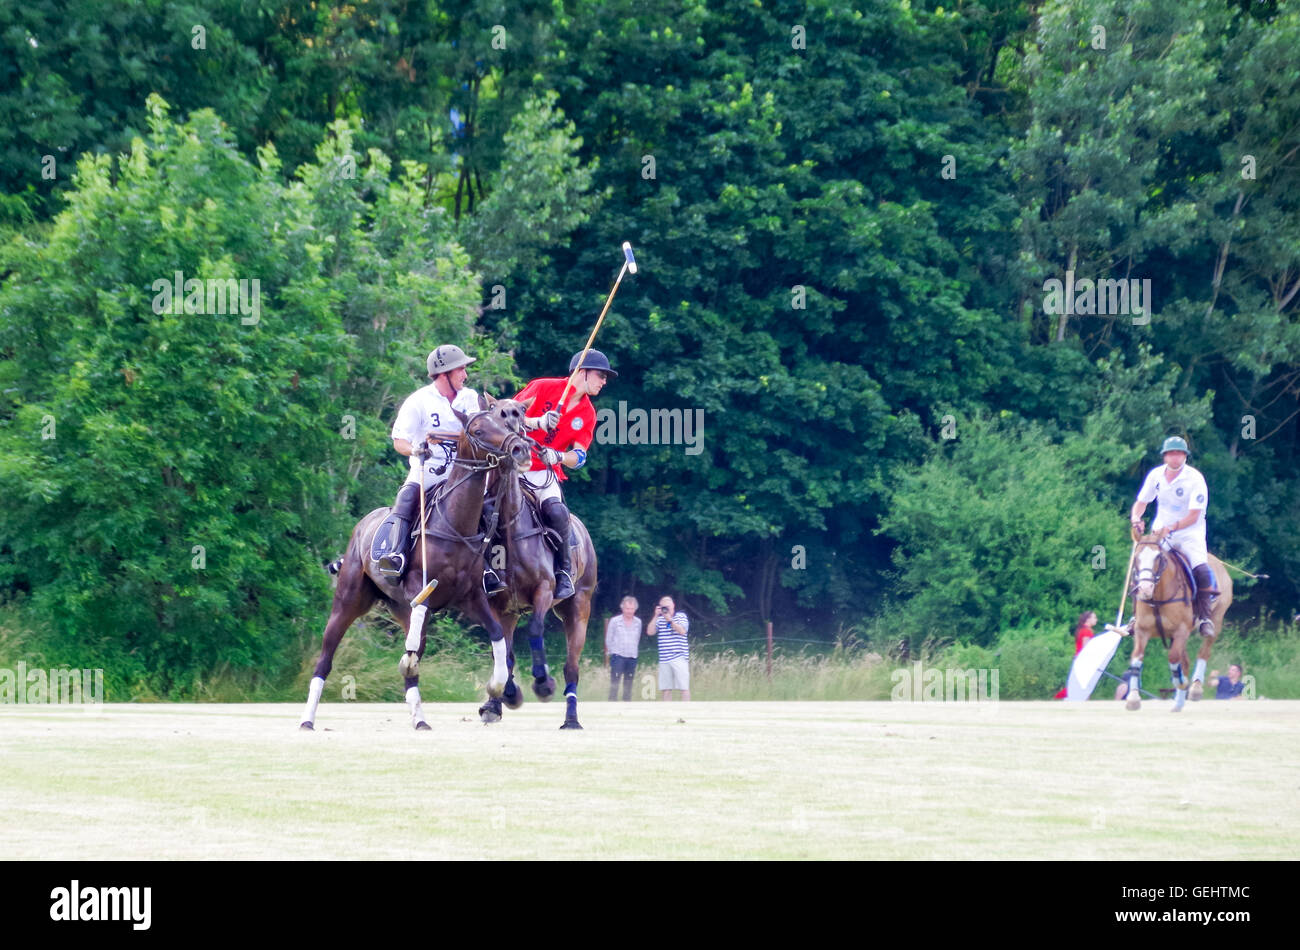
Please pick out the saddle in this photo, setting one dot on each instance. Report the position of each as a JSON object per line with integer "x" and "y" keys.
{"x": 549, "y": 535}
{"x": 1186, "y": 567}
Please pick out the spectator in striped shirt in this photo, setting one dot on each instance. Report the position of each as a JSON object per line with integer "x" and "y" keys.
{"x": 622, "y": 636}
{"x": 674, "y": 654}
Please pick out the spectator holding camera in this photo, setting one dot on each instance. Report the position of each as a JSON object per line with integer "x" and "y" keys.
{"x": 669, "y": 630}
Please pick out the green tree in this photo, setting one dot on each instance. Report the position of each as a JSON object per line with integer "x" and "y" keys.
{"x": 172, "y": 478}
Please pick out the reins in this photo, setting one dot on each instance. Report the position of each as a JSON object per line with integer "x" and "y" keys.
{"x": 1163, "y": 560}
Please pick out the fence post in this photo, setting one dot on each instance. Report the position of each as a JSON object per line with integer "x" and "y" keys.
{"x": 769, "y": 651}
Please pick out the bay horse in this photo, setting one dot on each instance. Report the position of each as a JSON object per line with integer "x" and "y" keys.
{"x": 453, "y": 542}
{"x": 1165, "y": 606}
{"x": 529, "y": 576}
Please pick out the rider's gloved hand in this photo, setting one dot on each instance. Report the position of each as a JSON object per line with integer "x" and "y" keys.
{"x": 548, "y": 456}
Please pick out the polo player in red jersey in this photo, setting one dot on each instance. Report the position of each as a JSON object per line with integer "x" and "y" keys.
{"x": 563, "y": 434}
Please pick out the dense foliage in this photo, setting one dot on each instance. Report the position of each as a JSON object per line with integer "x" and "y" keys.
{"x": 847, "y": 220}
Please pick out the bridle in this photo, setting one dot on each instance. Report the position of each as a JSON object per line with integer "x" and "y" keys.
{"x": 493, "y": 458}
{"x": 1153, "y": 574}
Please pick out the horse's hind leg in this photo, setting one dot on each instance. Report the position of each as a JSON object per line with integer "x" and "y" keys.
{"x": 353, "y": 596}
{"x": 575, "y": 616}
{"x": 411, "y": 672}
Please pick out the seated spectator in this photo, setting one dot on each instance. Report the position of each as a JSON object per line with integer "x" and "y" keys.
{"x": 1230, "y": 686}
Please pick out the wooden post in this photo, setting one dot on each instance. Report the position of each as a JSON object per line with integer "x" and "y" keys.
{"x": 769, "y": 651}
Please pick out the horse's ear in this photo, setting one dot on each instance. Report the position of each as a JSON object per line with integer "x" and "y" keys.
{"x": 485, "y": 401}
{"x": 528, "y": 403}
{"x": 460, "y": 415}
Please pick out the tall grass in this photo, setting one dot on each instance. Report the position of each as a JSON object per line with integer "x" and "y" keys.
{"x": 1032, "y": 662}
{"x": 730, "y": 675}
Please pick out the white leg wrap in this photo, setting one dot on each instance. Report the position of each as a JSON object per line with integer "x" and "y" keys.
{"x": 499, "y": 662}
{"x": 313, "y": 699}
{"x": 413, "y": 700}
{"x": 417, "y": 625}
{"x": 1199, "y": 673}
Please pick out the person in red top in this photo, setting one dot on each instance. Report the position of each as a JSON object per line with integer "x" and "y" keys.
{"x": 563, "y": 435}
{"x": 1082, "y": 634}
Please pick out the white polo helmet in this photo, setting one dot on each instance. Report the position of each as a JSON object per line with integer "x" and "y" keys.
{"x": 446, "y": 358}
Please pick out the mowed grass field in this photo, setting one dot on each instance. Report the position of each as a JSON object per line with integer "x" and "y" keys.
{"x": 654, "y": 780}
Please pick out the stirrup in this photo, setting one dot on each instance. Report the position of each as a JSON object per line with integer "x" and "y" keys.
{"x": 492, "y": 582}
{"x": 563, "y": 585}
{"x": 1202, "y": 624}
{"x": 392, "y": 564}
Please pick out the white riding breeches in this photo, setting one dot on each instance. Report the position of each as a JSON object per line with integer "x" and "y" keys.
{"x": 1191, "y": 544}
{"x": 545, "y": 484}
{"x": 441, "y": 458}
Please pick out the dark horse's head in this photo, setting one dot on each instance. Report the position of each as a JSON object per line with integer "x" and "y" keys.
{"x": 492, "y": 434}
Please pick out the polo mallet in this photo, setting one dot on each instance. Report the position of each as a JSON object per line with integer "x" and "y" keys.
{"x": 410, "y": 663}
{"x": 629, "y": 266}
{"x": 1119, "y": 617}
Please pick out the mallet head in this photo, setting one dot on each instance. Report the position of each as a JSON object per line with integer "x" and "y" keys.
{"x": 631, "y": 261}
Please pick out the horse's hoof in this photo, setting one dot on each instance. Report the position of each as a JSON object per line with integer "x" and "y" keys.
{"x": 490, "y": 712}
{"x": 1195, "y": 692}
{"x": 544, "y": 689}
{"x": 306, "y": 727}
{"x": 1133, "y": 704}
{"x": 513, "y": 697}
{"x": 409, "y": 665}
{"x": 423, "y": 726}
{"x": 570, "y": 724}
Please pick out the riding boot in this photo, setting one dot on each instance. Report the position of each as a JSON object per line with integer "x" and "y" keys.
{"x": 556, "y": 517}
{"x": 389, "y": 548}
{"x": 1206, "y": 593}
{"x": 492, "y": 582}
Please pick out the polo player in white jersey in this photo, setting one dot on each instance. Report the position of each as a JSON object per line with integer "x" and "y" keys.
{"x": 1181, "y": 500}
{"x": 426, "y": 416}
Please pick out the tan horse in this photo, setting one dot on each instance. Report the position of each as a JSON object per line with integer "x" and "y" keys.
{"x": 1165, "y": 607}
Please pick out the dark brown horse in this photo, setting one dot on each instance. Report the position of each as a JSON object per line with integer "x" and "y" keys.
{"x": 453, "y": 544}
{"x": 529, "y": 575}
{"x": 1165, "y": 607}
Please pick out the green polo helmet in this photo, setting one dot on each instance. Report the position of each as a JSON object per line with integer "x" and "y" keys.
{"x": 1174, "y": 444}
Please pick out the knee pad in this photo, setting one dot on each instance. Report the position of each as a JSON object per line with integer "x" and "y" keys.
{"x": 555, "y": 515}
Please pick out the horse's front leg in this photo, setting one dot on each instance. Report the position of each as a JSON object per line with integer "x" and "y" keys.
{"x": 1134, "y": 675}
{"x": 1198, "y": 675}
{"x": 512, "y": 696}
{"x": 1178, "y": 669}
{"x": 543, "y": 683}
{"x": 480, "y": 612}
